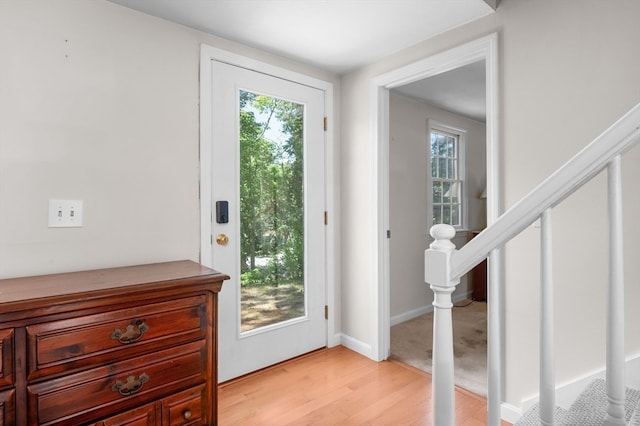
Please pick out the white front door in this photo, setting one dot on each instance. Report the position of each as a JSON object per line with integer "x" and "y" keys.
{"x": 268, "y": 224}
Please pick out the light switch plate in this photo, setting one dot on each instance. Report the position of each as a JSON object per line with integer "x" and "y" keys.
{"x": 65, "y": 213}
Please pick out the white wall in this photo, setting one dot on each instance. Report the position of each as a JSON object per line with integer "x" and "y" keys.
{"x": 100, "y": 103}
{"x": 408, "y": 156}
{"x": 568, "y": 70}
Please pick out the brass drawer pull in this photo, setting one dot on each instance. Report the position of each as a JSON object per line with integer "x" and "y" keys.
{"x": 131, "y": 386}
{"x": 131, "y": 334}
{"x": 187, "y": 414}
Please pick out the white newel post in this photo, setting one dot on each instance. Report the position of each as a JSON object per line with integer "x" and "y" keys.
{"x": 437, "y": 266}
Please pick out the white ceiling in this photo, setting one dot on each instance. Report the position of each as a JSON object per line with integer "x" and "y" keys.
{"x": 461, "y": 90}
{"x": 336, "y": 35}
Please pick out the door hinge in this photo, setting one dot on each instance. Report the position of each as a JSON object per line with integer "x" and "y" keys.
{"x": 326, "y": 312}
{"x": 326, "y": 217}
{"x": 388, "y": 233}
{"x": 326, "y": 124}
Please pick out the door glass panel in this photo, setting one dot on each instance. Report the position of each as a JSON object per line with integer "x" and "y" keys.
{"x": 271, "y": 211}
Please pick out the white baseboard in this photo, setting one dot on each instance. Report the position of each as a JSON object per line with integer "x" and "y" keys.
{"x": 356, "y": 345}
{"x": 334, "y": 340}
{"x": 409, "y": 315}
{"x": 468, "y": 295}
{"x": 365, "y": 348}
{"x": 510, "y": 413}
{"x": 566, "y": 393}
{"x": 632, "y": 372}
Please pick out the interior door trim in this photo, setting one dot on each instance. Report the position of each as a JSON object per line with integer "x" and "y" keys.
{"x": 484, "y": 48}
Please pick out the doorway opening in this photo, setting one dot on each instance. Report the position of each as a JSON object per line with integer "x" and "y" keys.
{"x": 437, "y": 174}
{"x": 484, "y": 49}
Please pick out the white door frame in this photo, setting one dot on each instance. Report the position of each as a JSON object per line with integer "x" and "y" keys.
{"x": 486, "y": 49}
{"x": 208, "y": 54}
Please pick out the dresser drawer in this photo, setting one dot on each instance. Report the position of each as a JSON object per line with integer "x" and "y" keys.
{"x": 123, "y": 385}
{"x": 6, "y": 357}
{"x": 61, "y": 346}
{"x": 141, "y": 416}
{"x": 186, "y": 408}
{"x": 7, "y": 407}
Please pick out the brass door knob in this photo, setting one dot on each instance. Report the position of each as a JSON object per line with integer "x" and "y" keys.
{"x": 222, "y": 239}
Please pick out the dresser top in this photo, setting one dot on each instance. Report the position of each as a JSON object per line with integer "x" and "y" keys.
{"x": 103, "y": 282}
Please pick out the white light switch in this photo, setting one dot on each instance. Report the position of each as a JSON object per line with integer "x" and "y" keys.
{"x": 65, "y": 213}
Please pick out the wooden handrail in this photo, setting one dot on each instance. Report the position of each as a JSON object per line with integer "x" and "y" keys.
{"x": 616, "y": 140}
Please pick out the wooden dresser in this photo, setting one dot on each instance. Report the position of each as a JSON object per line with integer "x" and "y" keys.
{"x": 134, "y": 345}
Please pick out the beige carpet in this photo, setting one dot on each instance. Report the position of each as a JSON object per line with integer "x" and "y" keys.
{"x": 411, "y": 343}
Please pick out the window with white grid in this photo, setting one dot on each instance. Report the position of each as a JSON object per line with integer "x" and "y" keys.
{"x": 447, "y": 176}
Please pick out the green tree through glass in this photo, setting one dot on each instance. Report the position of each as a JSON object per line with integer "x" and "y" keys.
{"x": 271, "y": 210}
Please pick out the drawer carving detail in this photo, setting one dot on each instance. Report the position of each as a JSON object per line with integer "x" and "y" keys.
{"x": 6, "y": 357}
{"x": 131, "y": 385}
{"x": 132, "y": 333}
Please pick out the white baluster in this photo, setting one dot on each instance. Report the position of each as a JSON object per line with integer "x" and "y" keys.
{"x": 494, "y": 338}
{"x": 547, "y": 362}
{"x": 437, "y": 269}
{"x": 615, "y": 317}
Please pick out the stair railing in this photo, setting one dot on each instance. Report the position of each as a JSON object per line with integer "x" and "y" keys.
{"x": 444, "y": 266}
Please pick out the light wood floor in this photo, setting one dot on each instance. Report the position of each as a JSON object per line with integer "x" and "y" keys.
{"x": 338, "y": 387}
